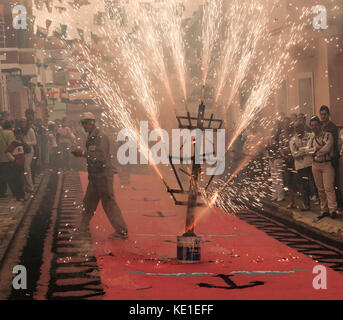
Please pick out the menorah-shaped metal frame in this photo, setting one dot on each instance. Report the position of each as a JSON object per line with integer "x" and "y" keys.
{"x": 192, "y": 123}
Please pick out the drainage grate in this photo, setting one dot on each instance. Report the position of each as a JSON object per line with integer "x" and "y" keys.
{"x": 60, "y": 265}
{"x": 74, "y": 272}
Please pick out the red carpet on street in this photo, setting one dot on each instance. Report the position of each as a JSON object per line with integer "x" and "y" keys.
{"x": 238, "y": 260}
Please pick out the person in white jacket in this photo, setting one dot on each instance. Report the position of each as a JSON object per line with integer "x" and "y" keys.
{"x": 31, "y": 141}
{"x": 302, "y": 161}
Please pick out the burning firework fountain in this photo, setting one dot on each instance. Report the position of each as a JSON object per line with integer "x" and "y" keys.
{"x": 247, "y": 49}
{"x": 188, "y": 245}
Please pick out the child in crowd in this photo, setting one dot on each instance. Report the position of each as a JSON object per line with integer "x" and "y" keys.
{"x": 16, "y": 154}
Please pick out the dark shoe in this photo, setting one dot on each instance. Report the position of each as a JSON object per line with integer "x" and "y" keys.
{"x": 119, "y": 236}
{"x": 334, "y": 215}
{"x": 325, "y": 214}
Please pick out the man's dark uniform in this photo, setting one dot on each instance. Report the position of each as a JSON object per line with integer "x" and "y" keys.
{"x": 332, "y": 128}
{"x": 100, "y": 186}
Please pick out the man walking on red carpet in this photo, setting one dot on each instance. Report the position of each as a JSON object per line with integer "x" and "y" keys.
{"x": 100, "y": 176}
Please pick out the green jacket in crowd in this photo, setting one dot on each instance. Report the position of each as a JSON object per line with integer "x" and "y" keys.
{"x": 6, "y": 138}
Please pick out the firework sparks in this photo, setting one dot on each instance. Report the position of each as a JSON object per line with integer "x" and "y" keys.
{"x": 252, "y": 62}
{"x": 171, "y": 20}
{"x": 211, "y": 24}
{"x": 149, "y": 35}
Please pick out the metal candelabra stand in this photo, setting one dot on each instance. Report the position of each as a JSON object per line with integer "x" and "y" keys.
{"x": 192, "y": 123}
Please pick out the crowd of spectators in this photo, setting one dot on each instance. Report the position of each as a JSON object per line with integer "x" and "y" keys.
{"x": 296, "y": 160}
{"x": 303, "y": 159}
{"x": 27, "y": 147}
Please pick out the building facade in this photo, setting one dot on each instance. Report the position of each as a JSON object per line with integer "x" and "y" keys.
{"x": 316, "y": 79}
{"x": 19, "y": 88}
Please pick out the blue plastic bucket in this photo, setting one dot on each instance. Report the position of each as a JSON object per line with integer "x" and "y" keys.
{"x": 188, "y": 249}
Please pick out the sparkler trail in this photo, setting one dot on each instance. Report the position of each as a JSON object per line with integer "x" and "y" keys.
{"x": 240, "y": 167}
{"x": 141, "y": 84}
{"x": 265, "y": 83}
{"x": 171, "y": 20}
{"x": 136, "y": 64}
{"x": 104, "y": 85}
{"x": 138, "y": 72}
{"x": 239, "y": 47}
{"x": 212, "y": 17}
{"x": 117, "y": 108}
{"x": 269, "y": 75}
{"x": 267, "y": 80}
{"x": 220, "y": 198}
{"x": 150, "y": 37}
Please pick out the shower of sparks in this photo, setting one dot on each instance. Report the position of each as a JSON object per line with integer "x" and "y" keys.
{"x": 268, "y": 78}
{"x": 171, "y": 20}
{"x": 152, "y": 43}
{"x": 252, "y": 62}
{"x": 117, "y": 111}
{"x": 212, "y": 17}
{"x": 139, "y": 78}
{"x": 137, "y": 67}
{"x": 239, "y": 47}
{"x": 233, "y": 194}
{"x": 117, "y": 108}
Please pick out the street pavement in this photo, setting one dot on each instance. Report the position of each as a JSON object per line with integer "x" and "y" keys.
{"x": 327, "y": 226}
{"x": 12, "y": 213}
